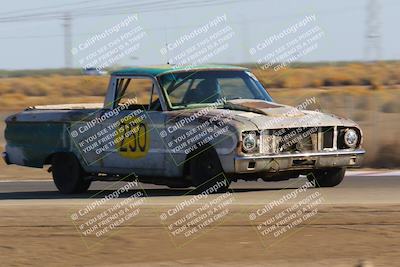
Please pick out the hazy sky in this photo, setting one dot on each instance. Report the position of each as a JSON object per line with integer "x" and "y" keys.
{"x": 40, "y": 44}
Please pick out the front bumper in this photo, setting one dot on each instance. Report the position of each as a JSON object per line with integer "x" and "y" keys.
{"x": 300, "y": 161}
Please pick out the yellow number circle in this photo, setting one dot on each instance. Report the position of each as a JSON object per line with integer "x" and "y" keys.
{"x": 132, "y": 139}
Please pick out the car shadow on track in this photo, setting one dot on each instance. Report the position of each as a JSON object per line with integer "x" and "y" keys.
{"x": 98, "y": 194}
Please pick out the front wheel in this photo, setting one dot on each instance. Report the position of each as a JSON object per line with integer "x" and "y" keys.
{"x": 327, "y": 177}
{"x": 68, "y": 174}
{"x": 207, "y": 173}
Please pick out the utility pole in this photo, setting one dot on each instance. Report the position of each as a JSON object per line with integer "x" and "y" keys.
{"x": 67, "y": 40}
{"x": 373, "y": 33}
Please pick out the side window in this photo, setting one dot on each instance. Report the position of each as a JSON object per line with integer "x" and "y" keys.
{"x": 136, "y": 93}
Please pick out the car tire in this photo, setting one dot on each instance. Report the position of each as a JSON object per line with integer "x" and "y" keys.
{"x": 327, "y": 177}
{"x": 206, "y": 171}
{"x": 68, "y": 174}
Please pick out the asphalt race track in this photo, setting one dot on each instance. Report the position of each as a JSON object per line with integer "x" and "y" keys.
{"x": 361, "y": 189}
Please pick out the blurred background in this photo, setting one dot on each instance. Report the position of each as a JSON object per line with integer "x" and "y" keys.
{"x": 352, "y": 68}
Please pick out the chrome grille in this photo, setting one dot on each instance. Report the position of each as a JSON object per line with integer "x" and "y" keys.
{"x": 290, "y": 140}
{"x": 268, "y": 144}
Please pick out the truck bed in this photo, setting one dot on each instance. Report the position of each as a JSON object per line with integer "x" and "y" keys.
{"x": 39, "y": 131}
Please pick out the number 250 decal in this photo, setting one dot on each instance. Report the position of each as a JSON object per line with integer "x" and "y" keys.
{"x": 133, "y": 138}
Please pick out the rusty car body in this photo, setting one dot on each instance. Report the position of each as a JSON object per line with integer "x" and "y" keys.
{"x": 182, "y": 127}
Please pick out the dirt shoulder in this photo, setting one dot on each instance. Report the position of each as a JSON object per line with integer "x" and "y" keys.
{"x": 40, "y": 235}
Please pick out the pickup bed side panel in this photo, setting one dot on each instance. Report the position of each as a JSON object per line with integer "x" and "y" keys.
{"x": 31, "y": 143}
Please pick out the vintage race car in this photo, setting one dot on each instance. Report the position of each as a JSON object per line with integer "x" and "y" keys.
{"x": 183, "y": 127}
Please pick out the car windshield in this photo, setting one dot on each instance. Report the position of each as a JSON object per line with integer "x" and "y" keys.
{"x": 201, "y": 88}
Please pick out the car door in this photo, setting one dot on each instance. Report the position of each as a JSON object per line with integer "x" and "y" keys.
{"x": 137, "y": 121}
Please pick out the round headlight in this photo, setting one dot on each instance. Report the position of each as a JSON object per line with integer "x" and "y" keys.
{"x": 350, "y": 138}
{"x": 249, "y": 142}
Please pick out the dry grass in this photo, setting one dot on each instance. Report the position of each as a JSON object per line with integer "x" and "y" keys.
{"x": 376, "y": 76}
{"x": 27, "y": 91}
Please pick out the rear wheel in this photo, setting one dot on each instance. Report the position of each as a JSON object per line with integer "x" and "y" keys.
{"x": 68, "y": 174}
{"x": 207, "y": 173}
{"x": 327, "y": 177}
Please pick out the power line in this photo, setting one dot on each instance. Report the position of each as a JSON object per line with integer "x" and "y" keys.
{"x": 95, "y": 11}
{"x": 161, "y": 6}
{"x": 50, "y": 7}
{"x": 349, "y": 9}
{"x": 103, "y": 10}
{"x": 54, "y": 14}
